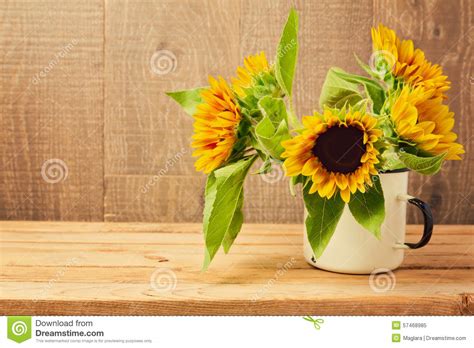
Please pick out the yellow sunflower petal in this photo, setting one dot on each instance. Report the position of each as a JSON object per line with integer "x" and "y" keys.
{"x": 421, "y": 117}
{"x": 310, "y": 167}
{"x": 253, "y": 66}
{"x": 346, "y": 195}
{"x": 409, "y": 63}
{"x": 215, "y": 123}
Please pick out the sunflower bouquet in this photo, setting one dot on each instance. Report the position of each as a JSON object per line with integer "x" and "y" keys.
{"x": 394, "y": 118}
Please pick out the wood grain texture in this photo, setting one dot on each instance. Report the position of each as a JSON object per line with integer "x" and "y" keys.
{"x": 102, "y": 110}
{"x": 51, "y": 69}
{"x": 54, "y": 268}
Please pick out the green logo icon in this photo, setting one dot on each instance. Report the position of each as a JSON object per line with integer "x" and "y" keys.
{"x": 19, "y": 328}
{"x": 395, "y": 325}
{"x": 395, "y": 337}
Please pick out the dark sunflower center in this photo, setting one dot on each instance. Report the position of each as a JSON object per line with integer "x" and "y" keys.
{"x": 340, "y": 149}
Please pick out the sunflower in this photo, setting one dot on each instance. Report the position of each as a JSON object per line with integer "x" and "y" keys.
{"x": 215, "y": 126}
{"x": 336, "y": 151}
{"x": 253, "y": 66}
{"x": 407, "y": 62}
{"x": 420, "y": 118}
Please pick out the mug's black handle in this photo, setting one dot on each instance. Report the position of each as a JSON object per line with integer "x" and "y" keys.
{"x": 428, "y": 222}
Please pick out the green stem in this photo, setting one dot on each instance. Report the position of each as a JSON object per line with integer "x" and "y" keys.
{"x": 395, "y": 141}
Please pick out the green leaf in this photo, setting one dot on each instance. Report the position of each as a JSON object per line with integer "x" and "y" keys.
{"x": 389, "y": 159}
{"x": 377, "y": 96}
{"x": 342, "y": 88}
{"x": 270, "y": 138}
{"x": 274, "y": 109}
{"x": 338, "y": 92}
{"x": 287, "y": 52}
{"x": 369, "y": 208}
{"x": 422, "y": 165}
{"x": 188, "y": 99}
{"x": 235, "y": 225}
{"x": 223, "y": 207}
{"x": 273, "y": 128}
{"x": 372, "y": 88}
{"x": 210, "y": 198}
{"x": 322, "y": 219}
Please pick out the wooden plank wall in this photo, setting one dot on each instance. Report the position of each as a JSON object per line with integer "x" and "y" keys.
{"x": 52, "y": 117}
{"x": 100, "y": 107}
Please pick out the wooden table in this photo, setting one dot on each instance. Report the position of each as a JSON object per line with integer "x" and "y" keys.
{"x": 54, "y": 268}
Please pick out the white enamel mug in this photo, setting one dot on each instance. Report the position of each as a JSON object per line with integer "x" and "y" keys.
{"x": 353, "y": 249}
